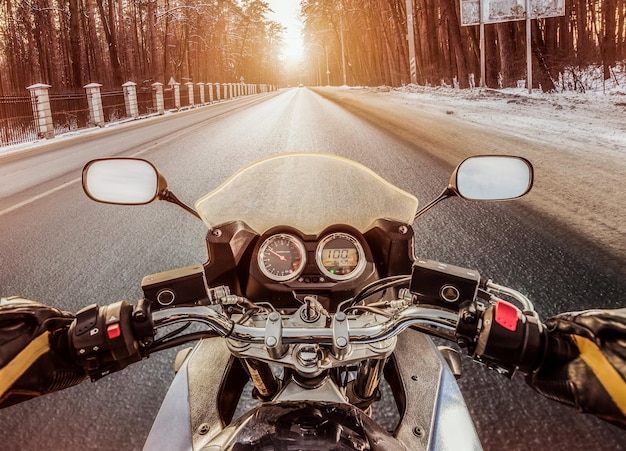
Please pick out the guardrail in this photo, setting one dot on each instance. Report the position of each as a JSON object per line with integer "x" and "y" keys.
{"x": 46, "y": 113}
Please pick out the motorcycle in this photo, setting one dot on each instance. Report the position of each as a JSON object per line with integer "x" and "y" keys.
{"x": 310, "y": 305}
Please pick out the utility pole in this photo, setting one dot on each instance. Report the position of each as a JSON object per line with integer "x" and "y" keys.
{"x": 343, "y": 54}
{"x": 411, "y": 38}
{"x": 483, "y": 59}
{"x": 529, "y": 52}
{"x": 327, "y": 70}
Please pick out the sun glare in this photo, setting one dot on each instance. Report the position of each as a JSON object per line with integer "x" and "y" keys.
{"x": 294, "y": 49}
{"x": 287, "y": 12}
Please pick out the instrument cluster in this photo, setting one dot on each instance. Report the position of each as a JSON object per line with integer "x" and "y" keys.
{"x": 334, "y": 257}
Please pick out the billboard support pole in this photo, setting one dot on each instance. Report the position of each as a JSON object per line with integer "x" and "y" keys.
{"x": 410, "y": 36}
{"x": 483, "y": 82}
{"x": 529, "y": 53}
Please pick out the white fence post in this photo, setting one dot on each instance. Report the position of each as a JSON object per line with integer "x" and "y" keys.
{"x": 201, "y": 87}
{"x": 218, "y": 91}
{"x": 41, "y": 110}
{"x": 157, "y": 97}
{"x": 230, "y": 90}
{"x": 190, "y": 92}
{"x": 177, "y": 95}
{"x": 130, "y": 99}
{"x": 94, "y": 100}
{"x": 225, "y": 85}
{"x": 210, "y": 85}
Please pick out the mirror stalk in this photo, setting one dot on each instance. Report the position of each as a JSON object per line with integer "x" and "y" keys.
{"x": 169, "y": 196}
{"x": 445, "y": 194}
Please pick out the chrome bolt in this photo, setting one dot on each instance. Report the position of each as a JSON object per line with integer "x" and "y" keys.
{"x": 274, "y": 316}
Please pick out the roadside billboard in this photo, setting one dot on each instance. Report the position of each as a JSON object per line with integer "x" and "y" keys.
{"x": 494, "y": 11}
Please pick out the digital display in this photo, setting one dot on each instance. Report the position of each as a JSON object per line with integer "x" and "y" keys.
{"x": 340, "y": 261}
{"x": 340, "y": 256}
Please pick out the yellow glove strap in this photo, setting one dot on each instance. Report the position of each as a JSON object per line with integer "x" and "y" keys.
{"x": 606, "y": 373}
{"x": 21, "y": 362}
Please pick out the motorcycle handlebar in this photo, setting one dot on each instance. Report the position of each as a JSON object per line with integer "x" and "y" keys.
{"x": 498, "y": 334}
{"x": 323, "y": 335}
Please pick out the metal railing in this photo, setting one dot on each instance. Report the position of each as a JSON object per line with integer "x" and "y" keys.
{"x": 46, "y": 113}
{"x": 17, "y": 124}
{"x": 69, "y": 111}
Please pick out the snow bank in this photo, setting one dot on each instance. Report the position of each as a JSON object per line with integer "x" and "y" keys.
{"x": 575, "y": 140}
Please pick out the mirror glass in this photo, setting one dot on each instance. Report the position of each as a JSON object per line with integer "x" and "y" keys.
{"x": 124, "y": 181}
{"x": 493, "y": 177}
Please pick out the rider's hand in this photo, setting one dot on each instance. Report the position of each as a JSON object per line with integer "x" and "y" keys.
{"x": 593, "y": 379}
{"x": 34, "y": 354}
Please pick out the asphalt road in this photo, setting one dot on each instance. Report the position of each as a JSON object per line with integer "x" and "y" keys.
{"x": 65, "y": 250}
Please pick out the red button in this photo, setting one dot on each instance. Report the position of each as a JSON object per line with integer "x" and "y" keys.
{"x": 114, "y": 331}
{"x": 506, "y": 315}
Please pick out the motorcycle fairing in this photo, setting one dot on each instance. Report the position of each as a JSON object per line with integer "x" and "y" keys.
{"x": 431, "y": 400}
{"x": 428, "y": 397}
{"x": 304, "y": 425}
{"x": 306, "y": 191}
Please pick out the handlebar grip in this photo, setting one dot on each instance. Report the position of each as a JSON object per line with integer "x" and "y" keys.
{"x": 503, "y": 337}
{"x": 107, "y": 339}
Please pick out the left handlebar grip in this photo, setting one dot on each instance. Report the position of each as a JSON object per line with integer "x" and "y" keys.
{"x": 107, "y": 339}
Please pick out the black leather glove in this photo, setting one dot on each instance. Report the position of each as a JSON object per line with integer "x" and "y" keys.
{"x": 34, "y": 352}
{"x": 585, "y": 364}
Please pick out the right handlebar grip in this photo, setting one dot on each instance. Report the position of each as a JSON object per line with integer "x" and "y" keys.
{"x": 504, "y": 338}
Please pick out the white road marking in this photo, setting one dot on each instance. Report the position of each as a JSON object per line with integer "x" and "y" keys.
{"x": 39, "y": 196}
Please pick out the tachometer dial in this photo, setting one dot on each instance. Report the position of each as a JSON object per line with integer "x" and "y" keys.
{"x": 282, "y": 257}
{"x": 340, "y": 256}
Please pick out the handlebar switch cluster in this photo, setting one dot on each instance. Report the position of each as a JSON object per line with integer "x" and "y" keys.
{"x": 502, "y": 337}
{"x": 104, "y": 340}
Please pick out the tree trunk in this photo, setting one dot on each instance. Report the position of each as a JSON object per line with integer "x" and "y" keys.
{"x": 455, "y": 41}
{"x": 154, "y": 69}
{"x": 543, "y": 67}
{"x": 109, "y": 32}
{"x": 75, "y": 45}
{"x": 609, "y": 48}
{"x": 584, "y": 40}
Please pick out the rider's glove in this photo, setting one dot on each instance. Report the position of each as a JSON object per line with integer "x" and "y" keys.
{"x": 593, "y": 377}
{"x": 34, "y": 353}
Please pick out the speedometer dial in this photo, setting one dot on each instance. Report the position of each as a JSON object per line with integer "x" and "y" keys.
{"x": 282, "y": 257}
{"x": 340, "y": 256}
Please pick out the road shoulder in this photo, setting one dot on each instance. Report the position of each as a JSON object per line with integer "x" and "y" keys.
{"x": 579, "y": 171}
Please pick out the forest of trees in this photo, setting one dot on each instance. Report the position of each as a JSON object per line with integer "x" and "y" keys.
{"x": 69, "y": 43}
{"x": 376, "y": 51}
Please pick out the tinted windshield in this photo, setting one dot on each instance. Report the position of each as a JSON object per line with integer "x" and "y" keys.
{"x": 307, "y": 191}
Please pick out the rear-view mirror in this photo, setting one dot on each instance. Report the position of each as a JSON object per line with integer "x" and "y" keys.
{"x": 124, "y": 181}
{"x": 492, "y": 177}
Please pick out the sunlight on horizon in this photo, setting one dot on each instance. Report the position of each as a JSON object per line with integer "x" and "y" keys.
{"x": 287, "y": 12}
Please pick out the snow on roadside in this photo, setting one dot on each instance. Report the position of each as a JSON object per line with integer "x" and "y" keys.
{"x": 576, "y": 141}
{"x": 589, "y": 122}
